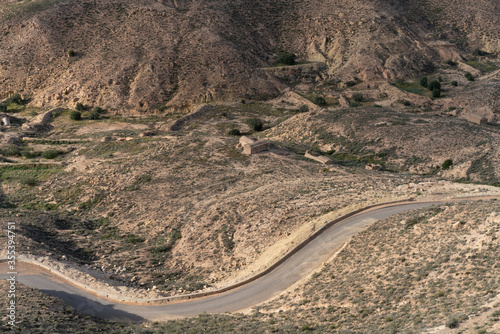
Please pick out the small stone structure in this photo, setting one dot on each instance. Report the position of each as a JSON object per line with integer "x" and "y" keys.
{"x": 478, "y": 119}
{"x": 322, "y": 159}
{"x": 252, "y": 145}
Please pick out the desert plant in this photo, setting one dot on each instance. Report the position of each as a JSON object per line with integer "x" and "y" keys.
{"x": 469, "y": 76}
{"x": 28, "y": 181}
{"x": 424, "y": 81}
{"x": 286, "y": 58}
{"x": 98, "y": 110}
{"x": 256, "y": 124}
{"x": 447, "y": 164}
{"x": 357, "y": 97}
{"x": 454, "y": 83}
{"x": 94, "y": 115}
{"x": 436, "y": 92}
{"x": 71, "y": 53}
{"x": 234, "y": 132}
{"x": 452, "y": 322}
{"x": 434, "y": 84}
{"x": 79, "y": 107}
{"x": 451, "y": 62}
{"x": 11, "y": 151}
{"x": 320, "y": 101}
{"x": 15, "y": 98}
{"x": 303, "y": 108}
{"x": 3, "y": 107}
{"x": 50, "y": 154}
{"x": 28, "y": 154}
{"x": 75, "y": 115}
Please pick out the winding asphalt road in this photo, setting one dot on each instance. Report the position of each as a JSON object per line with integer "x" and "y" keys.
{"x": 283, "y": 276}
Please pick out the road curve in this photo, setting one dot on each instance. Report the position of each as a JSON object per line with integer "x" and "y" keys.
{"x": 295, "y": 267}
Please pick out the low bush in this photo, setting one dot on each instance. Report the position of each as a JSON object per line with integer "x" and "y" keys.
{"x": 436, "y": 92}
{"x": 15, "y": 98}
{"x": 424, "y": 81}
{"x": 303, "y": 108}
{"x": 434, "y": 84}
{"x": 320, "y": 101}
{"x": 3, "y": 108}
{"x": 50, "y": 154}
{"x": 286, "y": 58}
{"x": 357, "y": 97}
{"x": 75, "y": 115}
{"x": 469, "y": 76}
{"x": 447, "y": 164}
{"x": 79, "y": 107}
{"x": 234, "y": 132}
{"x": 11, "y": 151}
{"x": 256, "y": 124}
{"x": 454, "y": 83}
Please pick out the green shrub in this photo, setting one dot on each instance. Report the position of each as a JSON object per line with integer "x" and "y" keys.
{"x": 320, "y": 101}
{"x": 424, "y": 81}
{"x": 447, "y": 164}
{"x": 98, "y": 110}
{"x": 3, "y": 108}
{"x": 256, "y": 124}
{"x": 94, "y": 115}
{"x": 286, "y": 58}
{"x": 454, "y": 83}
{"x": 451, "y": 62}
{"x": 15, "y": 98}
{"x": 79, "y": 107}
{"x": 28, "y": 181}
{"x": 71, "y": 53}
{"x": 357, "y": 97}
{"x": 75, "y": 115}
{"x": 50, "y": 154}
{"x": 434, "y": 84}
{"x": 469, "y": 76}
{"x": 11, "y": 151}
{"x": 452, "y": 322}
{"x": 436, "y": 92}
{"x": 234, "y": 132}
{"x": 27, "y": 154}
{"x": 303, "y": 108}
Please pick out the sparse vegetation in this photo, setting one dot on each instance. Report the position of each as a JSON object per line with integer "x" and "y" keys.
{"x": 469, "y": 76}
{"x": 75, "y": 115}
{"x": 447, "y": 164}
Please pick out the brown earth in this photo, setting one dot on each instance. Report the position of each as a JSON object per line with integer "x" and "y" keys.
{"x": 147, "y": 54}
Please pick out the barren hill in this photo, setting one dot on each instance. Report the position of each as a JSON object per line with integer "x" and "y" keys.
{"x": 144, "y": 54}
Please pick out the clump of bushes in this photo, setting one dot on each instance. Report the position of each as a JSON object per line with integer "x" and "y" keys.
{"x": 79, "y": 107}
{"x": 256, "y": 124}
{"x": 75, "y": 115}
{"x": 469, "y": 76}
{"x": 303, "y": 108}
{"x": 16, "y": 99}
{"x": 234, "y": 132}
{"x": 71, "y": 53}
{"x": 454, "y": 83}
{"x": 434, "y": 86}
{"x": 286, "y": 58}
{"x": 447, "y": 164}
{"x": 358, "y": 97}
{"x": 11, "y": 151}
{"x": 3, "y": 108}
{"x": 50, "y": 154}
{"x": 320, "y": 101}
{"x": 424, "y": 81}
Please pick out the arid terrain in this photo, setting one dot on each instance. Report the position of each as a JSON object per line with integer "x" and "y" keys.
{"x": 121, "y": 156}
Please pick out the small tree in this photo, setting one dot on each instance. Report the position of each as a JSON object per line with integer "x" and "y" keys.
{"x": 79, "y": 107}
{"x": 424, "y": 81}
{"x": 75, "y": 115}
{"x": 320, "y": 101}
{"x": 71, "y": 53}
{"x": 234, "y": 132}
{"x": 454, "y": 83}
{"x": 256, "y": 124}
{"x": 357, "y": 97}
{"x": 94, "y": 115}
{"x": 286, "y": 58}
{"x": 436, "y": 92}
{"x": 303, "y": 108}
{"x": 434, "y": 84}
{"x": 469, "y": 76}
{"x": 447, "y": 164}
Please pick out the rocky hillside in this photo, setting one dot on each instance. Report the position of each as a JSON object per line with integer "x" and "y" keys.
{"x": 146, "y": 54}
